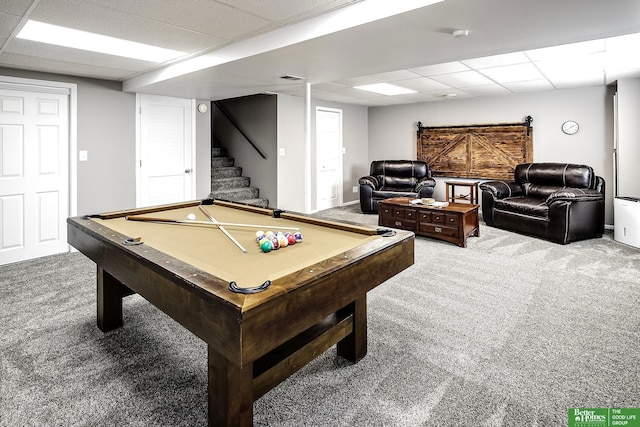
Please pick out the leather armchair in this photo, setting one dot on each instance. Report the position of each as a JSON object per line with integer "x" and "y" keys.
{"x": 560, "y": 202}
{"x": 394, "y": 178}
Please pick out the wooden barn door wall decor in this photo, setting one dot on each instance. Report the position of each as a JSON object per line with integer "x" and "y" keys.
{"x": 476, "y": 151}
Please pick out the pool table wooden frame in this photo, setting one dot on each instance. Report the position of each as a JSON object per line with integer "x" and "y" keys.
{"x": 255, "y": 341}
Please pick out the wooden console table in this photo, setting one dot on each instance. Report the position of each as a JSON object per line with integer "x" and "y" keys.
{"x": 453, "y": 223}
{"x": 472, "y": 196}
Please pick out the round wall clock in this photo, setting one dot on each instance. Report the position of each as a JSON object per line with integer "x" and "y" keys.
{"x": 570, "y": 127}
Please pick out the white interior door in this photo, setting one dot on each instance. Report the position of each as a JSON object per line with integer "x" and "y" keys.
{"x": 34, "y": 174}
{"x": 166, "y": 150}
{"x": 329, "y": 157}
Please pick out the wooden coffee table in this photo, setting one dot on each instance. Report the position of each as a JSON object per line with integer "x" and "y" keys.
{"x": 453, "y": 223}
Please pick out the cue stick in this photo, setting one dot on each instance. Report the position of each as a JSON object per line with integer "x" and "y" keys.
{"x": 214, "y": 224}
{"x": 221, "y": 228}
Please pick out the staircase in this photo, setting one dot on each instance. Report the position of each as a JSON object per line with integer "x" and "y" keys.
{"x": 227, "y": 182}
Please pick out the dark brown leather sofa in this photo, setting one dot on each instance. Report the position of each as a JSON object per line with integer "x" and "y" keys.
{"x": 560, "y": 202}
{"x": 394, "y": 178}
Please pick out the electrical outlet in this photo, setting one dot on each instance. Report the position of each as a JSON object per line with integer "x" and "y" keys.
{"x": 355, "y": 188}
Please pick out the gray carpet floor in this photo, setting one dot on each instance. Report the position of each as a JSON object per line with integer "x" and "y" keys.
{"x": 510, "y": 331}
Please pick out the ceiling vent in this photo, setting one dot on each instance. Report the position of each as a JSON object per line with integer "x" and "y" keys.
{"x": 292, "y": 77}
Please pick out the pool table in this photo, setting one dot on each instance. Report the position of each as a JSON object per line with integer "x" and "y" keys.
{"x": 302, "y": 299}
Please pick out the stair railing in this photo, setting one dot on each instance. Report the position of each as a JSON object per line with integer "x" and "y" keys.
{"x": 237, "y": 126}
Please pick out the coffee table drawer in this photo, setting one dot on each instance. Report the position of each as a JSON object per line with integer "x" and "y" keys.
{"x": 437, "y": 229}
{"x": 452, "y": 220}
{"x": 400, "y": 213}
{"x": 404, "y": 224}
{"x": 438, "y": 218}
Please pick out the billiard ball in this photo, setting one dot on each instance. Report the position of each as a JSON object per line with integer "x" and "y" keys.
{"x": 259, "y": 235}
{"x": 276, "y": 244}
{"x": 291, "y": 239}
{"x": 191, "y": 217}
{"x": 266, "y": 245}
{"x": 298, "y": 237}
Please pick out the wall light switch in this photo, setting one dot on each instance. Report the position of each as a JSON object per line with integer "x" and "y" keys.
{"x": 281, "y": 152}
{"x": 355, "y": 188}
{"x": 83, "y": 156}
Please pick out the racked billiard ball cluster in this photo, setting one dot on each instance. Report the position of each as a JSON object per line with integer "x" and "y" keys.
{"x": 270, "y": 241}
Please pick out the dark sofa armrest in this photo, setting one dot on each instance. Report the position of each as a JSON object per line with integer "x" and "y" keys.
{"x": 370, "y": 181}
{"x": 425, "y": 182}
{"x": 502, "y": 189}
{"x": 574, "y": 195}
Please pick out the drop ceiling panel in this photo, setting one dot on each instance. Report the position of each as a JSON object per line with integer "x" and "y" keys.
{"x": 448, "y": 67}
{"x": 77, "y": 56}
{"x": 276, "y": 10}
{"x": 91, "y": 17}
{"x": 16, "y": 7}
{"x": 513, "y": 73}
{"x": 12, "y": 60}
{"x": 425, "y": 85}
{"x": 462, "y": 79}
{"x": 7, "y": 23}
{"x": 393, "y": 76}
{"x": 487, "y": 90}
{"x": 199, "y": 16}
{"x": 529, "y": 86}
{"x": 496, "y": 60}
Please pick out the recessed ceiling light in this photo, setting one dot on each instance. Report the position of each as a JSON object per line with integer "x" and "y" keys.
{"x": 77, "y": 39}
{"x": 385, "y": 89}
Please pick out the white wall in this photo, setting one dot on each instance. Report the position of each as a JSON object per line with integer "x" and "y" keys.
{"x": 291, "y": 176}
{"x": 628, "y": 138}
{"x": 106, "y": 130}
{"x": 393, "y": 130}
{"x": 291, "y": 188}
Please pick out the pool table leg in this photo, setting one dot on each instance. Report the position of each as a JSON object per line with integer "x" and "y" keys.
{"x": 230, "y": 392}
{"x": 353, "y": 347}
{"x": 109, "y": 300}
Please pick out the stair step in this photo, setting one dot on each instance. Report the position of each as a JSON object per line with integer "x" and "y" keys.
{"x": 235, "y": 194}
{"x": 226, "y": 172}
{"x": 229, "y": 183}
{"x": 263, "y": 203}
{"x": 218, "y": 152}
{"x": 221, "y": 162}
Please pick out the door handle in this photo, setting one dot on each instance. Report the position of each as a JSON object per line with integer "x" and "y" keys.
{"x": 187, "y": 171}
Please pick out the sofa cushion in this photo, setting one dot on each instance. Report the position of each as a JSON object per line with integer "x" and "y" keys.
{"x": 389, "y": 192}
{"x": 539, "y": 191}
{"x": 399, "y": 168}
{"x": 555, "y": 174}
{"x": 400, "y": 182}
{"x": 529, "y": 206}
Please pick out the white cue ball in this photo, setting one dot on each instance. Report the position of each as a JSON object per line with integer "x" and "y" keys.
{"x": 191, "y": 217}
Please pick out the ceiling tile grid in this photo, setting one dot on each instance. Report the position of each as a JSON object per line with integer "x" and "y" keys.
{"x": 596, "y": 48}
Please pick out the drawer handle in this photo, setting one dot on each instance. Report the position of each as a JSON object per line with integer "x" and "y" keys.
{"x": 398, "y": 223}
{"x": 451, "y": 220}
{"x": 437, "y": 229}
{"x": 438, "y": 217}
